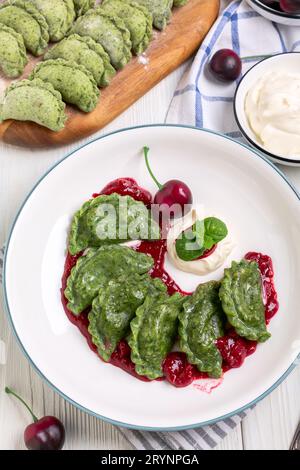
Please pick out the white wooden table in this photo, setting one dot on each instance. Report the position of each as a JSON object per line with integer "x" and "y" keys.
{"x": 270, "y": 426}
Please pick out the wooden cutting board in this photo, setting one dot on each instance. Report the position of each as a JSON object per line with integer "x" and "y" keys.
{"x": 166, "y": 52}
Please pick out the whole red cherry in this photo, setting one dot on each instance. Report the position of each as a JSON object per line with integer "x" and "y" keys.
{"x": 270, "y": 2}
{"x": 290, "y": 6}
{"x": 47, "y": 433}
{"x": 234, "y": 349}
{"x": 226, "y": 65}
{"x": 177, "y": 370}
{"x": 173, "y": 194}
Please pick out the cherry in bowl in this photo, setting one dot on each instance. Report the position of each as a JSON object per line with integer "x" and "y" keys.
{"x": 290, "y": 6}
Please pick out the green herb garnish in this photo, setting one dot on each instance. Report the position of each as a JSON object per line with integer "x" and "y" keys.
{"x": 202, "y": 236}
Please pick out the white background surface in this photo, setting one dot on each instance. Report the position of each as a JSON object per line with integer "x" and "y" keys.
{"x": 270, "y": 426}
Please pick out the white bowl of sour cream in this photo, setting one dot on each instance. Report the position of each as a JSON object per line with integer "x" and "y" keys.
{"x": 274, "y": 14}
{"x": 267, "y": 107}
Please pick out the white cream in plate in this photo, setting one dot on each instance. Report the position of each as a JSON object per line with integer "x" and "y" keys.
{"x": 199, "y": 266}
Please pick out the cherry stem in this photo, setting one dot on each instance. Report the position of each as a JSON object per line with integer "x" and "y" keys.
{"x": 146, "y": 152}
{"x": 254, "y": 57}
{"x": 11, "y": 392}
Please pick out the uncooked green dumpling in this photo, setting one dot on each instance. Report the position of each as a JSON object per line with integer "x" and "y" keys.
{"x": 25, "y": 19}
{"x": 179, "y": 3}
{"x": 110, "y": 31}
{"x": 75, "y": 83}
{"x": 33, "y": 100}
{"x": 137, "y": 19}
{"x": 12, "y": 52}
{"x": 161, "y": 11}
{"x": 82, "y": 6}
{"x": 59, "y": 15}
{"x": 84, "y": 51}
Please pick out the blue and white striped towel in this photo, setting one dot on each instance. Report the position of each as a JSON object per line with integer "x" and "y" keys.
{"x": 201, "y": 101}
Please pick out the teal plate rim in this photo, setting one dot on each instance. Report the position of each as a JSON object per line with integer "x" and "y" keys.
{"x": 55, "y": 388}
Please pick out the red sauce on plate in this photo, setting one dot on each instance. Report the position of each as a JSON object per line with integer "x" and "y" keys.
{"x": 158, "y": 249}
{"x": 127, "y": 187}
{"x": 233, "y": 348}
{"x": 265, "y": 265}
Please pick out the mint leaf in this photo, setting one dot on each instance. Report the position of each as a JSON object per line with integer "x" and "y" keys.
{"x": 202, "y": 236}
{"x": 199, "y": 232}
{"x": 187, "y": 247}
{"x": 214, "y": 231}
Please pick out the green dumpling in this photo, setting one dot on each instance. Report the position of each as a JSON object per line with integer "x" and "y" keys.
{"x": 111, "y": 219}
{"x": 115, "y": 307}
{"x": 161, "y": 11}
{"x": 93, "y": 271}
{"x": 12, "y": 52}
{"x": 84, "y": 51}
{"x": 179, "y": 3}
{"x": 59, "y": 15}
{"x": 75, "y": 83}
{"x": 137, "y": 19}
{"x": 241, "y": 295}
{"x": 201, "y": 322}
{"x": 82, "y": 6}
{"x": 153, "y": 333}
{"x": 33, "y": 100}
{"x": 110, "y": 31}
{"x": 25, "y": 19}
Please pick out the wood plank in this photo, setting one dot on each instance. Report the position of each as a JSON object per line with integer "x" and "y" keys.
{"x": 234, "y": 440}
{"x": 166, "y": 52}
{"x": 272, "y": 424}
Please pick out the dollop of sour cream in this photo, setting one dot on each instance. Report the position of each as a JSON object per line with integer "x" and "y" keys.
{"x": 272, "y": 108}
{"x": 199, "y": 266}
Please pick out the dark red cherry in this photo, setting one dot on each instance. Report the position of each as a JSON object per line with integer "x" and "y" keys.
{"x": 270, "y": 2}
{"x": 173, "y": 194}
{"x": 226, "y": 65}
{"x": 177, "y": 370}
{"x": 234, "y": 349}
{"x": 290, "y": 6}
{"x": 47, "y": 433}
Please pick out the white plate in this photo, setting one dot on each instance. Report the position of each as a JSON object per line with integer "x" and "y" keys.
{"x": 251, "y": 194}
